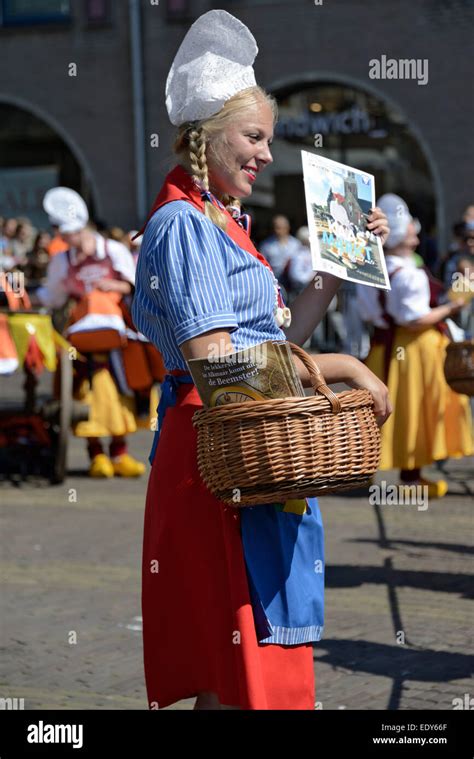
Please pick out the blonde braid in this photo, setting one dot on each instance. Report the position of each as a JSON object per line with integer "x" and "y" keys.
{"x": 197, "y": 157}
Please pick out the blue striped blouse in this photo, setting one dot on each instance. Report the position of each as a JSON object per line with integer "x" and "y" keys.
{"x": 192, "y": 277}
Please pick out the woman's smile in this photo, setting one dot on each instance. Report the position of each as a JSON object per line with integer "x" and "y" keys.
{"x": 251, "y": 172}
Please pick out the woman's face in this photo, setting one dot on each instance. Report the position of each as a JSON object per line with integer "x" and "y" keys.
{"x": 245, "y": 153}
{"x": 84, "y": 241}
{"x": 43, "y": 240}
{"x": 411, "y": 240}
{"x": 73, "y": 239}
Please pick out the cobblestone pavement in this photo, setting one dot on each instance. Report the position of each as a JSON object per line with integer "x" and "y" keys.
{"x": 398, "y": 599}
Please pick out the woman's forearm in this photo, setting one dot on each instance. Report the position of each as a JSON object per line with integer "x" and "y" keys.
{"x": 114, "y": 285}
{"x": 310, "y": 306}
{"x": 335, "y": 367}
{"x": 122, "y": 286}
{"x": 433, "y": 316}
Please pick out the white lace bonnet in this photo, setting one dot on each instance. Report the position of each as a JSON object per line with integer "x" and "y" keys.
{"x": 213, "y": 63}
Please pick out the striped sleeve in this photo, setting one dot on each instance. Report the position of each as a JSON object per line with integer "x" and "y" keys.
{"x": 191, "y": 278}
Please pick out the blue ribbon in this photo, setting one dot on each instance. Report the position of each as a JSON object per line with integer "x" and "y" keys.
{"x": 243, "y": 219}
{"x": 169, "y": 394}
{"x": 206, "y": 195}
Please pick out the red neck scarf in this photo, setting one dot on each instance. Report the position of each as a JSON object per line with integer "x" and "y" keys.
{"x": 179, "y": 185}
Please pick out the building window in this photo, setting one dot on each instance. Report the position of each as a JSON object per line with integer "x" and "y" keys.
{"x": 26, "y": 12}
{"x": 351, "y": 126}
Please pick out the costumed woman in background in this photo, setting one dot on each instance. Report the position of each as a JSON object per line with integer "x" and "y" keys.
{"x": 97, "y": 274}
{"x": 232, "y": 599}
{"x": 430, "y": 422}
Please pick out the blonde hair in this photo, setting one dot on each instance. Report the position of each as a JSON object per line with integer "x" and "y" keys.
{"x": 194, "y": 138}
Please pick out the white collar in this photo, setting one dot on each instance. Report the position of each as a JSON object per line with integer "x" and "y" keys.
{"x": 399, "y": 262}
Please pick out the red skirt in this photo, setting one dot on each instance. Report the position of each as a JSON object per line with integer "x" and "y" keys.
{"x": 198, "y": 626}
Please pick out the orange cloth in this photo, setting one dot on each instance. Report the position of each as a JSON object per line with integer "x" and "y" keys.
{"x": 8, "y": 353}
{"x": 57, "y": 245}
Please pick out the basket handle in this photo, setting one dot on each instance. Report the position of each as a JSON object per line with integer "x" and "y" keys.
{"x": 317, "y": 380}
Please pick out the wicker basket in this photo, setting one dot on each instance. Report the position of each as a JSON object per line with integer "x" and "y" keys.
{"x": 459, "y": 367}
{"x": 270, "y": 451}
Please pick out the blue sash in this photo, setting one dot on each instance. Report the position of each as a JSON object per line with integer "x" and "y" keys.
{"x": 169, "y": 394}
{"x": 284, "y": 554}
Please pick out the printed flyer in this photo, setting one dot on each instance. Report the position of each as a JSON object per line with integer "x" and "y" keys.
{"x": 338, "y": 202}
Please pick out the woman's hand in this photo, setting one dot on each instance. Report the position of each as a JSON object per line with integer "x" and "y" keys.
{"x": 456, "y": 306}
{"x": 113, "y": 285}
{"x": 362, "y": 378}
{"x": 378, "y": 224}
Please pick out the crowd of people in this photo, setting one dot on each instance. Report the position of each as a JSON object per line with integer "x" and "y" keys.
{"x": 84, "y": 276}
{"x": 26, "y": 249}
{"x": 344, "y": 328}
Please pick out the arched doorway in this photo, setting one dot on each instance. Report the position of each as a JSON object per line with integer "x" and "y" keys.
{"x": 358, "y": 127}
{"x": 35, "y": 155}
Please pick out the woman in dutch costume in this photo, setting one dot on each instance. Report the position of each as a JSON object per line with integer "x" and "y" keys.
{"x": 430, "y": 422}
{"x": 232, "y": 599}
{"x": 96, "y": 274}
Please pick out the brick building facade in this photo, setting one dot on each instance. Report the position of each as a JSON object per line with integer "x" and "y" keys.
{"x": 68, "y": 97}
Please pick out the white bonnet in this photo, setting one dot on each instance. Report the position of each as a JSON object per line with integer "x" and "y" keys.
{"x": 66, "y": 209}
{"x": 398, "y": 216}
{"x": 213, "y": 63}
